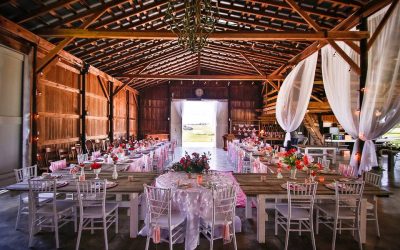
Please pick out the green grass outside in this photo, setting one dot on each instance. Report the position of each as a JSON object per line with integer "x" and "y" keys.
{"x": 200, "y": 133}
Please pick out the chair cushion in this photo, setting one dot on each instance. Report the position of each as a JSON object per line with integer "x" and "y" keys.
{"x": 219, "y": 220}
{"x": 297, "y": 213}
{"x": 370, "y": 206}
{"x": 43, "y": 197}
{"x": 176, "y": 219}
{"x": 61, "y": 205}
{"x": 330, "y": 210}
{"x": 96, "y": 211}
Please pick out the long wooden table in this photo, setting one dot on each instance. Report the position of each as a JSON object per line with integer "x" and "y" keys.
{"x": 270, "y": 188}
{"x": 124, "y": 187}
{"x": 324, "y": 149}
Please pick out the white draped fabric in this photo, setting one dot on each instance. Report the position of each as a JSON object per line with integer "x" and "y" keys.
{"x": 381, "y": 104}
{"x": 341, "y": 86}
{"x": 221, "y": 122}
{"x": 176, "y": 121}
{"x": 294, "y": 95}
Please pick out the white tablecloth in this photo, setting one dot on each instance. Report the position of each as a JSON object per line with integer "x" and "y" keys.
{"x": 195, "y": 202}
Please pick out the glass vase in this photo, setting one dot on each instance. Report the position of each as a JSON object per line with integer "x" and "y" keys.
{"x": 97, "y": 172}
{"x": 293, "y": 173}
{"x": 115, "y": 173}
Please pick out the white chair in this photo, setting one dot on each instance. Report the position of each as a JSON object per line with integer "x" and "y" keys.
{"x": 24, "y": 174}
{"x": 161, "y": 217}
{"x": 344, "y": 214}
{"x": 94, "y": 212}
{"x": 297, "y": 214}
{"x": 372, "y": 207}
{"x": 52, "y": 214}
{"x": 222, "y": 215}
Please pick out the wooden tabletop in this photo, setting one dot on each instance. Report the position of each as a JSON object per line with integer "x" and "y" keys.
{"x": 252, "y": 184}
{"x": 124, "y": 185}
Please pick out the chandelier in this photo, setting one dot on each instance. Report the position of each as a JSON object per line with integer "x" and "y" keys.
{"x": 196, "y": 23}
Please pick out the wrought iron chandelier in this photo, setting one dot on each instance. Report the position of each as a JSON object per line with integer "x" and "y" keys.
{"x": 195, "y": 25}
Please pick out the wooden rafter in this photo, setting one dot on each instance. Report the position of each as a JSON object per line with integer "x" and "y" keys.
{"x": 66, "y": 41}
{"x": 382, "y": 24}
{"x": 222, "y": 36}
{"x": 252, "y": 64}
{"x": 204, "y": 77}
{"x": 345, "y": 57}
{"x": 103, "y": 88}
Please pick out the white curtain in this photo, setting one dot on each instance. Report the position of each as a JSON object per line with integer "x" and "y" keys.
{"x": 341, "y": 86}
{"x": 381, "y": 104}
{"x": 221, "y": 122}
{"x": 294, "y": 95}
{"x": 176, "y": 121}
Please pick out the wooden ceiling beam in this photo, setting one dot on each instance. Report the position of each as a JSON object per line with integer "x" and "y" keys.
{"x": 309, "y": 10}
{"x": 257, "y": 69}
{"x": 232, "y": 68}
{"x": 45, "y": 9}
{"x": 218, "y": 36}
{"x": 88, "y": 12}
{"x": 382, "y": 24}
{"x": 304, "y": 15}
{"x": 345, "y": 57}
{"x": 204, "y": 77}
{"x": 49, "y": 56}
{"x": 128, "y": 68}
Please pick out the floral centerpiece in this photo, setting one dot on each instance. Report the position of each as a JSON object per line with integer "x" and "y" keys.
{"x": 96, "y": 167}
{"x": 309, "y": 166}
{"x": 194, "y": 163}
{"x": 293, "y": 161}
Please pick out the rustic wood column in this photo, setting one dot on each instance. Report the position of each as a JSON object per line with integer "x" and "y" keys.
{"x": 229, "y": 109}
{"x": 127, "y": 113}
{"x": 34, "y": 127}
{"x": 363, "y": 76}
{"x": 111, "y": 112}
{"x": 84, "y": 71}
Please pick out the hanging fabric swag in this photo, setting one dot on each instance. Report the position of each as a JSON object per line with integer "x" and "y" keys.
{"x": 294, "y": 95}
{"x": 381, "y": 104}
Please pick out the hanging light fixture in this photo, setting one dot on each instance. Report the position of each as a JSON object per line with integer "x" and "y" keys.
{"x": 195, "y": 25}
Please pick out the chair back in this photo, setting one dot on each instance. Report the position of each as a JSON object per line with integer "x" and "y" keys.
{"x": 63, "y": 153}
{"x": 301, "y": 196}
{"x": 82, "y": 158}
{"x": 158, "y": 202}
{"x": 26, "y": 173}
{"x": 37, "y": 187}
{"x": 78, "y": 149}
{"x": 91, "y": 193}
{"x": 89, "y": 146}
{"x": 50, "y": 155}
{"x": 349, "y": 195}
{"x": 372, "y": 178}
{"x": 224, "y": 202}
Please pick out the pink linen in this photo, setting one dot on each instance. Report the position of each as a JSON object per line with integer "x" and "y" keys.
{"x": 57, "y": 165}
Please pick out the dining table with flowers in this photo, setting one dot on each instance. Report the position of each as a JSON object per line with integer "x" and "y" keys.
{"x": 191, "y": 182}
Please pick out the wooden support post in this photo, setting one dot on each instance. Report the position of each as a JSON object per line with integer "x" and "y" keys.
{"x": 169, "y": 111}
{"x": 84, "y": 71}
{"x": 127, "y": 113}
{"x": 363, "y": 73}
{"x": 111, "y": 112}
{"x": 229, "y": 109}
{"x": 34, "y": 130}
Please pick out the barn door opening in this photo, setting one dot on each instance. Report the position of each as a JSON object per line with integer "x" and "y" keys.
{"x": 199, "y": 124}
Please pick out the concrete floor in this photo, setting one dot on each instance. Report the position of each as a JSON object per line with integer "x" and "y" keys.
{"x": 389, "y": 218}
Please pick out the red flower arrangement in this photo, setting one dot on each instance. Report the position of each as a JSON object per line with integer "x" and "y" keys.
{"x": 292, "y": 159}
{"x": 95, "y": 165}
{"x": 193, "y": 164}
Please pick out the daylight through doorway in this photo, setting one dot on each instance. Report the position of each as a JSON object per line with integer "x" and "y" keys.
{"x": 199, "y": 123}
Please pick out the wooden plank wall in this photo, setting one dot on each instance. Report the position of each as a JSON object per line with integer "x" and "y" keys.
{"x": 97, "y": 109}
{"x": 154, "y": 109}
{"x": 59, "y": 108}
{"x": 58, "y": 104}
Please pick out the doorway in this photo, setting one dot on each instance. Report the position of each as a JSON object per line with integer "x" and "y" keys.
{"x": 199, "y": 123}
